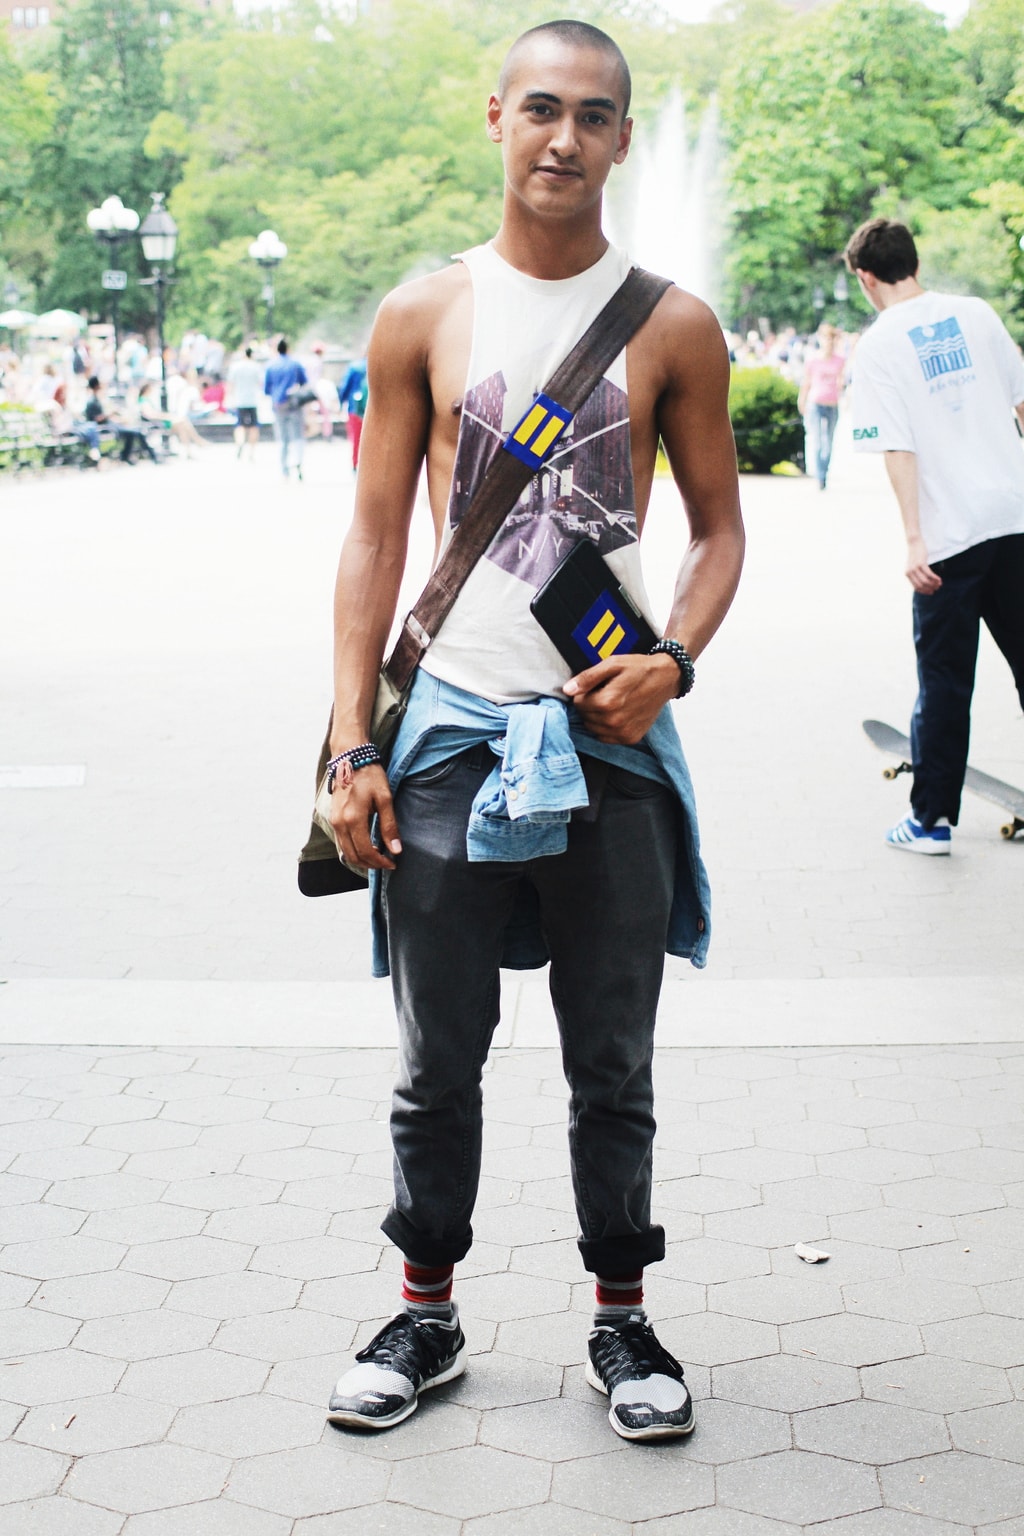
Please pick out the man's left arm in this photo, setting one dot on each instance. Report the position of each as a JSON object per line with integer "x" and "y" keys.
{"x": 621, "y": 698}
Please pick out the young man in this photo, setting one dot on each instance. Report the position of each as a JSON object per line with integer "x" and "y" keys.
{"x": 497, "y": 727}
{"x": 245, "y": 385}
{"x": 280, "y": 377}
{"x": 937, "y": 380}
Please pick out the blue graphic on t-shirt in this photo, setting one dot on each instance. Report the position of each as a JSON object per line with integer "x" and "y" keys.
{"x": 941, "y": 348}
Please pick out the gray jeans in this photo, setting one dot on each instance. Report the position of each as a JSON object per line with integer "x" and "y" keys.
{"x": 604, "y": 907}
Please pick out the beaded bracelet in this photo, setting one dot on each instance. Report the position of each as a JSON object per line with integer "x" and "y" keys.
{"x": 682, "y": 659}
{"x": 344, "y": 765}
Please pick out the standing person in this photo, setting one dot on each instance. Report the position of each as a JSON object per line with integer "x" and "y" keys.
{"x": 495, "y": 718}
{"x": 245, "y": 385}
{"x": 820, "y": 391}
{"x": 936, "y": 385}
{"x": 280, "y": 378}
{"x": 352, "y": 397}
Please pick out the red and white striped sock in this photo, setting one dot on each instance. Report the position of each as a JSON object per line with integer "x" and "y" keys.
{"x": 617, "y": 1296}
{"x": 427, "y": 1291}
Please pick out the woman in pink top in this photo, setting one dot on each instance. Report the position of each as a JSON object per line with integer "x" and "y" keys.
{"x": 819, "y": 398}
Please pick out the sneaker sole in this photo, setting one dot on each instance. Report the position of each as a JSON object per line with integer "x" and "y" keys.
{"x": 355, "y": 1420}
{"x": 920, "y": 845}
{"x": 655, "y": 1432}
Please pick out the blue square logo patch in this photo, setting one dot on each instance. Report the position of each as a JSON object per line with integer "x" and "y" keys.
{"x": 941, "y": 348}
{"x": 605, "y": 629}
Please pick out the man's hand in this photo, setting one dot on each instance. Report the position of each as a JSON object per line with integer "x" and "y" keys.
{"x": 919, "y": 573}
{"x": 353, "y": 807}
{"x": 620, "y": 699}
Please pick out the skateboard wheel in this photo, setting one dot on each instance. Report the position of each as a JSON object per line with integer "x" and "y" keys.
{"x": 1010, "y": 829}
{"x": 890, "y": 773}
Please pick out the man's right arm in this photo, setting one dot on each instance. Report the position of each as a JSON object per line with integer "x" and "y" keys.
{"x": 373, "y": 561}
{"x": 901, "y": 467}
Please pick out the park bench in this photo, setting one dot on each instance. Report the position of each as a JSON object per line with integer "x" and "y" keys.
{"x": 29, "y": 440}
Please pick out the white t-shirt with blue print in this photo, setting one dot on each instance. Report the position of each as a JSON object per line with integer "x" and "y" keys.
{"x": 938, "y": 376}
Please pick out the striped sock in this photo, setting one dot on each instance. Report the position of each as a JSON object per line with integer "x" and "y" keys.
{"x": 427, "y": 1292}
{"x": 617, "y": 1297}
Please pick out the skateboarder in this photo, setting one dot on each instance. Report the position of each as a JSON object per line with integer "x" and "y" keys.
{"x": 528, "y": 809}
{"x": 936, "y": 383}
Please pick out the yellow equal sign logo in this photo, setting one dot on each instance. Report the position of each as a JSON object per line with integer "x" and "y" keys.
{"x": 541, "y": 427}
{"x": 607, "y": 635}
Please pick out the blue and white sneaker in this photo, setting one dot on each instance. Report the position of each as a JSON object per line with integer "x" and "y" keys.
{"x": 911, "y": 835}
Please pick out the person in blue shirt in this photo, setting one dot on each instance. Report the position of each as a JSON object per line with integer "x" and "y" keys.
{"x": 281, "y": 377}
{"x": 352, "y": 396}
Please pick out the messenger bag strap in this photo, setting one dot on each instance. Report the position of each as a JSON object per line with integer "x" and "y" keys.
{"x": 507, "y": 475}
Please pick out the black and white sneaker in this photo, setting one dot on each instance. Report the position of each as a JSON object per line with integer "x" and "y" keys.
{"x": 408, "y": 1355}
{"x": 649, "y": 1400}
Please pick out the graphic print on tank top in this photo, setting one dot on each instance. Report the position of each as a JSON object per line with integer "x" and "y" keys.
{"x": 584, "y": 491}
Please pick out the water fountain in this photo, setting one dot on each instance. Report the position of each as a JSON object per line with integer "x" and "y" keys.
{"x": 663, "y": 206}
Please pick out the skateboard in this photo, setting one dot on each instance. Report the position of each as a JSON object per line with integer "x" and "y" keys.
{"x": 1005, "y": 796}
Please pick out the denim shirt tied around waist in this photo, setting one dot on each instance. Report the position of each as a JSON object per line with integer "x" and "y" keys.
{"x": 523, "y": 807}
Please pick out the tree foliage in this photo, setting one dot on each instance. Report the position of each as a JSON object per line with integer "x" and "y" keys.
{"x": 359, "y": 139}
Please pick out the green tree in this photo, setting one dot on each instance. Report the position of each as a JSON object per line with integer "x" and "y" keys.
{"x": 26, "y": 113}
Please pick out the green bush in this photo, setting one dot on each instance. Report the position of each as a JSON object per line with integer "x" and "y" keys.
{"x": 765, "y": 421}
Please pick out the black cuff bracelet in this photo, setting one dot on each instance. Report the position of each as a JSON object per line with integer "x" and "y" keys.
{"x": 682, "y": 659}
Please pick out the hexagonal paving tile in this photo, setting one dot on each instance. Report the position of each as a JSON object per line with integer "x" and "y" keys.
{"x": 204, "y": 1376}
{"x": 313, "y": 1480}
{"x": 890, "y": 1522}
{"x": 228, "y": 1296}
{"x": 985, "y": 1340}
{"x": 826, "y": 1196}
{"x": 102, "y": 1295}
{"x": 32, "y": 1223}
{"x": 57, "y": 1374}
{"x": 145, "y": 1335}
{"x": 1006, "y": 1298}
{"x": 27, "y": 1472}
{"x": 849, "y": 1340}
{"x": 213, "y": 1517}
{"x": 557, "y": 1430}
{"x": 971, "y": 1263}
{"x": 703, "y": 1194}
{"x": 23, "y": 1331}
{"x": 708, "y": 1261}
{"x": 267, "y": 1224}
{"x": 384, "y": 1519}
{"x": 504, "y": 1296}
{"x": 248, "y": 1426}
{"x": 315, "y": 1258}
{"x": 777, "y": 1298}
{"x": 56, "y": 1516}
{"x": 147, "y": 1477}
{"x": 911, "y": 1300}
{"x": 976, "y": 1490}
{"x": 798, "y": 1486}
{"x": 943, "y": 1196}
{"x": 873, "y": 1432}
{"x": 223, "y": 1192}
{"x": 729, "y": 1431}
{"x": 273, "y": 1335}
{"x": 82, "y": 1426}
{"x": 717, "y": 1521}
{"x": 55, "y": 1257}
{"x": 188, "y": 1258}
{"x": 790, "y": 1383}
{"x": 936, "y": 1385}
{"x": 497, "y": 1380}
{"x": 656, "y": 1483}
{"x": 138, "y": 1224}
{"x": 997, "y": 1431}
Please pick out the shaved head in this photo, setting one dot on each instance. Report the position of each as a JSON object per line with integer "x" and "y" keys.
{"x": 576, "y": 34}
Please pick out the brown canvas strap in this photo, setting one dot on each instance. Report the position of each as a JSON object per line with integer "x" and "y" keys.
{"x": 507, "y": 477}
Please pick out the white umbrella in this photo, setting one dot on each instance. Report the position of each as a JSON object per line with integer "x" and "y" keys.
{"x": 57, "y": 322}
{"x": 16, "y": 319}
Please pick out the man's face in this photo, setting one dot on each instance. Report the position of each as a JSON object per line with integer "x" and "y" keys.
{"x": 560, "y": 126}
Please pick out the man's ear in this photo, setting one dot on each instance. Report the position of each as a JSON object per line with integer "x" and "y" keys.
{"x": 494, "y": 120}
{"x": 625, "y": 139}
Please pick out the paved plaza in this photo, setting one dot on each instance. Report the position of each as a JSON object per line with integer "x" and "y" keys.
{"x": 195, "y": 1069}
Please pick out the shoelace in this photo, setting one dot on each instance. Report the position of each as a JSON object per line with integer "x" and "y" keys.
{"x": 402, "y": 1346}
{"x": 632, "y": 1352}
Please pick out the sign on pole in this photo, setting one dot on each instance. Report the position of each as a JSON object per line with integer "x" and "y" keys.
{"x": 115, "y": 279}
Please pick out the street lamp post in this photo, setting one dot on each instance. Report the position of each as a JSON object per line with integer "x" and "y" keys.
{"x": 841, "y": 294}
{"x": 112, "y": 224}
{"x": 267, "y": 251}
{"x": 159, "y": 236}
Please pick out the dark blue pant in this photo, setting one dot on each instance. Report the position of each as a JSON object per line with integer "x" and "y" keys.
{"x": 604, "y": 905}
{"x": 983, "y": 583}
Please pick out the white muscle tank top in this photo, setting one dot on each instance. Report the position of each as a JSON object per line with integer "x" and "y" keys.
{"x": 523, "y": 327}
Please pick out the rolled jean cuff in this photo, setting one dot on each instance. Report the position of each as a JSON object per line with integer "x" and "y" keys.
{"x": 427, "y": 1251}
{"x": 611, "y": 1256}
